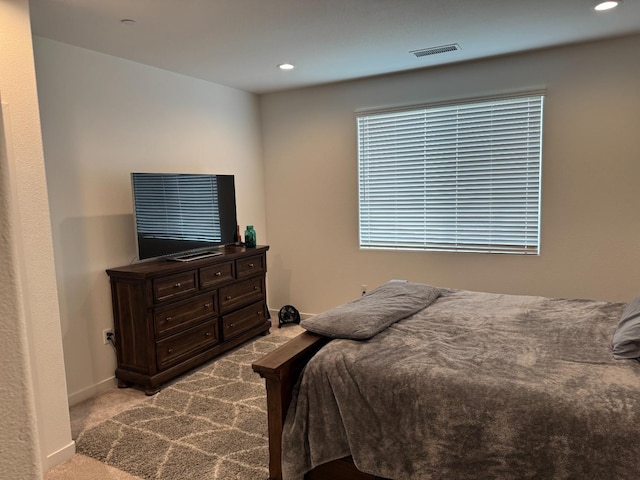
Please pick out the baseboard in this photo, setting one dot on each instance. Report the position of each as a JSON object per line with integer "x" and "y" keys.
{"x": 61, "y": 456}
{"x": 91, "y": 391}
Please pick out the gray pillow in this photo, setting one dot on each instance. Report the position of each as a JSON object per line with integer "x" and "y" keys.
{"x": 626, "y": 339}
{"x": 373, "y": 312}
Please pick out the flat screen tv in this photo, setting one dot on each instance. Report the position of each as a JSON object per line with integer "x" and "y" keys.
{"x": 183, "y": 216}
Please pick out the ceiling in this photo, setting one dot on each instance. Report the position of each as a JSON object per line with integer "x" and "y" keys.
{"x": 238, "y": 43}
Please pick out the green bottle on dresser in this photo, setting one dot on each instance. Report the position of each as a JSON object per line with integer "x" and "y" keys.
{"x": 250, "y": 236}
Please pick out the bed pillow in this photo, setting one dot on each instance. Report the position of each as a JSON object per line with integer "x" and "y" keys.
{"x": 626, "y": 339}
{"x": 365, "y": 317}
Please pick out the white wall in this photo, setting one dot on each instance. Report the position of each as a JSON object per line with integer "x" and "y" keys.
{"x": 102, "y": 118}
{"x": 590, "y": 245}
{"x": 34, "y": 423}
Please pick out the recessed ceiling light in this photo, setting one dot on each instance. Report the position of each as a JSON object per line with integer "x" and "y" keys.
{"x": 127, "y": 21}
{"x": 607, "y": 5}
{"x": 286, "y": 66}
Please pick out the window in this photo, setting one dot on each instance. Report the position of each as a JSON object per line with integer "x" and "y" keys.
{"x": 460, "y": 177}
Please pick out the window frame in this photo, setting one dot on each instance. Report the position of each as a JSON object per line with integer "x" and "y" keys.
{"x": 522, "y": 160}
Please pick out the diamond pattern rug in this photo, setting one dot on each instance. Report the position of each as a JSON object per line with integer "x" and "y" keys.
{"x": 209, "y": 424}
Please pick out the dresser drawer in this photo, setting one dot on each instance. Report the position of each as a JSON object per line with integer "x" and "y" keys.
{"x": 175, "y": 286}
{"x": 241, "y": 293}
{"x": 179, "y": 347}
{"x": 216, "y": 274}
{"x": 247, "y": 267}
{"x": 243, "y": 320}
{"x": 173, "y": 319}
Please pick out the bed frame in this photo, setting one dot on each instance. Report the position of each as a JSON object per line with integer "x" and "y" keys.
{"x": 281, "y": 369}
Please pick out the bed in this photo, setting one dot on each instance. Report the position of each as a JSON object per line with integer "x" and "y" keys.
{"x": 418, "y": 382}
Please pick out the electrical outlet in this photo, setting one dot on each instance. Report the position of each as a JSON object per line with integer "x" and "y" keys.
{"x": 363, "y": 289}
{"x": 106, "y": 335}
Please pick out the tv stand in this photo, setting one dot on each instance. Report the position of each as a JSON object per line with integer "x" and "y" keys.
{"x": 169, "y": 317}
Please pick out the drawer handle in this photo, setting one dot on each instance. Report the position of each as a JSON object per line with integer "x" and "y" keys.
{"x": 251, "y": 265}
{"x": 255, "y": 288}
{"x": 178, "y": 285}
{"x": 207, "y": 305}
{"x": 218, "y": 274}
{"x": 170, "y": 350}
{"x": 207, "y": 334}
{"x": 259, "y": 313}
{"x": 168, "y": 319}
{"x": 231, "y": 325}
{"x": 228, "y": 297}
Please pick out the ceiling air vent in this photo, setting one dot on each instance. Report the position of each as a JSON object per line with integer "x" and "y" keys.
{"x": 436, "y": 50}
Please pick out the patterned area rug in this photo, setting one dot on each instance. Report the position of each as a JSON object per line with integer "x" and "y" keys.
{"x": 210, "y": 424}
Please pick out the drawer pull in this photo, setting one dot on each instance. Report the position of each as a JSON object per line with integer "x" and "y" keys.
{"x": 218, "y": 274}
{"x": 178, "y": 285}
{"x": 259, "y": 313}
{"x": 168, "y": 319}
{"x": 255, "y": 288}
{"x": 207, "y": 334}
{"x": 231, "y": 325}
{"x": 170, "y": 350}
{"x": 251, "y": 265}
{"x": 207, "y": 305}
{"x": 228, "y": 297}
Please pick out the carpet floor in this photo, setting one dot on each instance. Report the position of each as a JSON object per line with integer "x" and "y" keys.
{"x": 209, "y": 424}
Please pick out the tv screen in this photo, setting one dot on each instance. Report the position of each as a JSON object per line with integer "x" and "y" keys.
{"x": 180, "y": 216}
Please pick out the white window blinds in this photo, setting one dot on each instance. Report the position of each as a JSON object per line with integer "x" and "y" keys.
{"x": 463, "y": 177}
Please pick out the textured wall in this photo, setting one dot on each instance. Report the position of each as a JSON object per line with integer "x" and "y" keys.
{"x": 34, "y": 424}
{"x": 18, "y": 433}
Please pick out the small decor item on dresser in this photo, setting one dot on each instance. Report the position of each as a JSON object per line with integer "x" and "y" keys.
{"x": 250, "y": 236}
{"x": 288, "y": 314}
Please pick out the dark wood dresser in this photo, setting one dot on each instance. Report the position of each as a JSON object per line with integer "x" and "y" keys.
{"x": 169, "y": 316}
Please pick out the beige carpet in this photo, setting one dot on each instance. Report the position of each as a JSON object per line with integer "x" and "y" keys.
{"x": 210, "y": 424}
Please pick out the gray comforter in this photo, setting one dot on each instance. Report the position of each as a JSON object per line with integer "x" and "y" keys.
{"x": 475, "y": 386}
